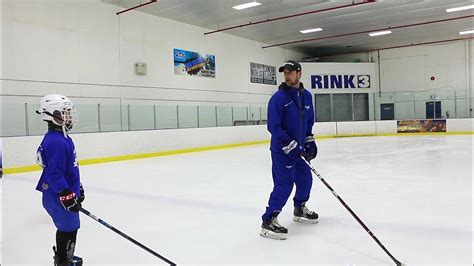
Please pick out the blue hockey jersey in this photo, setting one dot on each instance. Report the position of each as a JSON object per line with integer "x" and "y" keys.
{"x": 290, "y": 116}
{"x": 57, "y": 157}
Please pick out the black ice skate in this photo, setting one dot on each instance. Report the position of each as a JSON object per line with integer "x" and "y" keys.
{"x": 272, "y": 229}
{"x": 304, "y": 215}
{"x": 74, "y": 261}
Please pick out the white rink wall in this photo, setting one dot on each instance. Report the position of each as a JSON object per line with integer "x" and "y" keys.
{"x": 101, "y": 145}
{"x": 355, "y": 128}
{"x": 460, "y": 125}
{"x": 82, "y": 49}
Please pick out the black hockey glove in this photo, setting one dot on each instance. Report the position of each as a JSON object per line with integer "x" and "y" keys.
{"x": 293, "y": 150}
{"x": 69, "y": 200}
{"x": 310, "y": 148}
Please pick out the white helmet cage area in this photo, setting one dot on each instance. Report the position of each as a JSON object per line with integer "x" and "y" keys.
{"x": 59, "y": 110}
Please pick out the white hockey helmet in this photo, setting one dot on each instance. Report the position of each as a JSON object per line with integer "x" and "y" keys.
{"x": 59, "y": 110}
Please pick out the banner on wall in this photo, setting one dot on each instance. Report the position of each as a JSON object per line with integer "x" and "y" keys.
{"x": 264, "y": 74}
{"x": 335, "y": 81}
{"x": 420, "y": 126}
{"x": 339, "y": 77}
{"x": 194, "y": 64}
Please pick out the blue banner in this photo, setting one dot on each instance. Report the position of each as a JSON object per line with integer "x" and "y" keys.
{"x": 194, "y": 64}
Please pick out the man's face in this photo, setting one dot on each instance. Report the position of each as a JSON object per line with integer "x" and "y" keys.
{"x": 292, "y": 78}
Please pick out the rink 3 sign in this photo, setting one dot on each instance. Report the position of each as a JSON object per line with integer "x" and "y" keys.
{"x": 341, "y": 81}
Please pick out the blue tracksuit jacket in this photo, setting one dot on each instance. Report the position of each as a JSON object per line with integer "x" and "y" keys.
{"x": 290, "y": 117}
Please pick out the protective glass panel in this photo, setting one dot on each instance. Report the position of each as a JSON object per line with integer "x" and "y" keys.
{"x": 404, "y": 110}
{"x": 240, "y": 116}
{"x": 13, "y": 120}
{"x": 110, "y": 118}
{"x": 224, "y": 116}
{"x": 207, "y": 116}
{"x": 142, "y": 117}
{"x": 187, "y": 117}
{"x": 166, "y": 117}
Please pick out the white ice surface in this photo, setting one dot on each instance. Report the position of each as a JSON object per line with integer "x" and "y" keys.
{"x": 414, "y": 193}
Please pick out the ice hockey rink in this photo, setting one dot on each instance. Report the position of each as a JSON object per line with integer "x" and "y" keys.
{"x": 413, "y": 192}
{"x": 174, "y": 99}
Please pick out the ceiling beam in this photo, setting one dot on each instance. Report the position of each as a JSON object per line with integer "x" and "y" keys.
{"x": 366, "y": 31}
{"x": 135, "y": 7}
{"x": 394, "y": 47}
{"x": 290, "y": 16}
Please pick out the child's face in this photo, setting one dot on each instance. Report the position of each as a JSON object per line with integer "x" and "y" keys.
{"x": 67, "y": 119}
{"x": 67, "y": 116}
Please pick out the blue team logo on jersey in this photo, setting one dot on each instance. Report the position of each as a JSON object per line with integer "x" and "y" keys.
{"x": 340, "y": 81}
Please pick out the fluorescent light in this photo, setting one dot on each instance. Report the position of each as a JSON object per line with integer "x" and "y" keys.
{"x": 459, "y": 8}
{"x": 467, "y": 32}
{"x": 378, "y": 33}
{"x": 247, "y": 5}
{"x": 311, "y": 30}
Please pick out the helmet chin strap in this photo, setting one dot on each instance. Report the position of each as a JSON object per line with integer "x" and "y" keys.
{"x": 63, "y": 126}
{"x": 64, "y": 130}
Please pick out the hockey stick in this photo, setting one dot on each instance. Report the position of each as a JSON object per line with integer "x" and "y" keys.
{"x": 350, "y": 210}
{"x": 86, "y": 212}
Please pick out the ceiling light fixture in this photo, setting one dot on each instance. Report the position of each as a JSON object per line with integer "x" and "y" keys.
{"x": 467, "y": 32}
{"x": 379, "y": 33}
{"x": 459, "y": 8}
{"x": 247, "y": 5}
{"x": 310, "y": 30}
